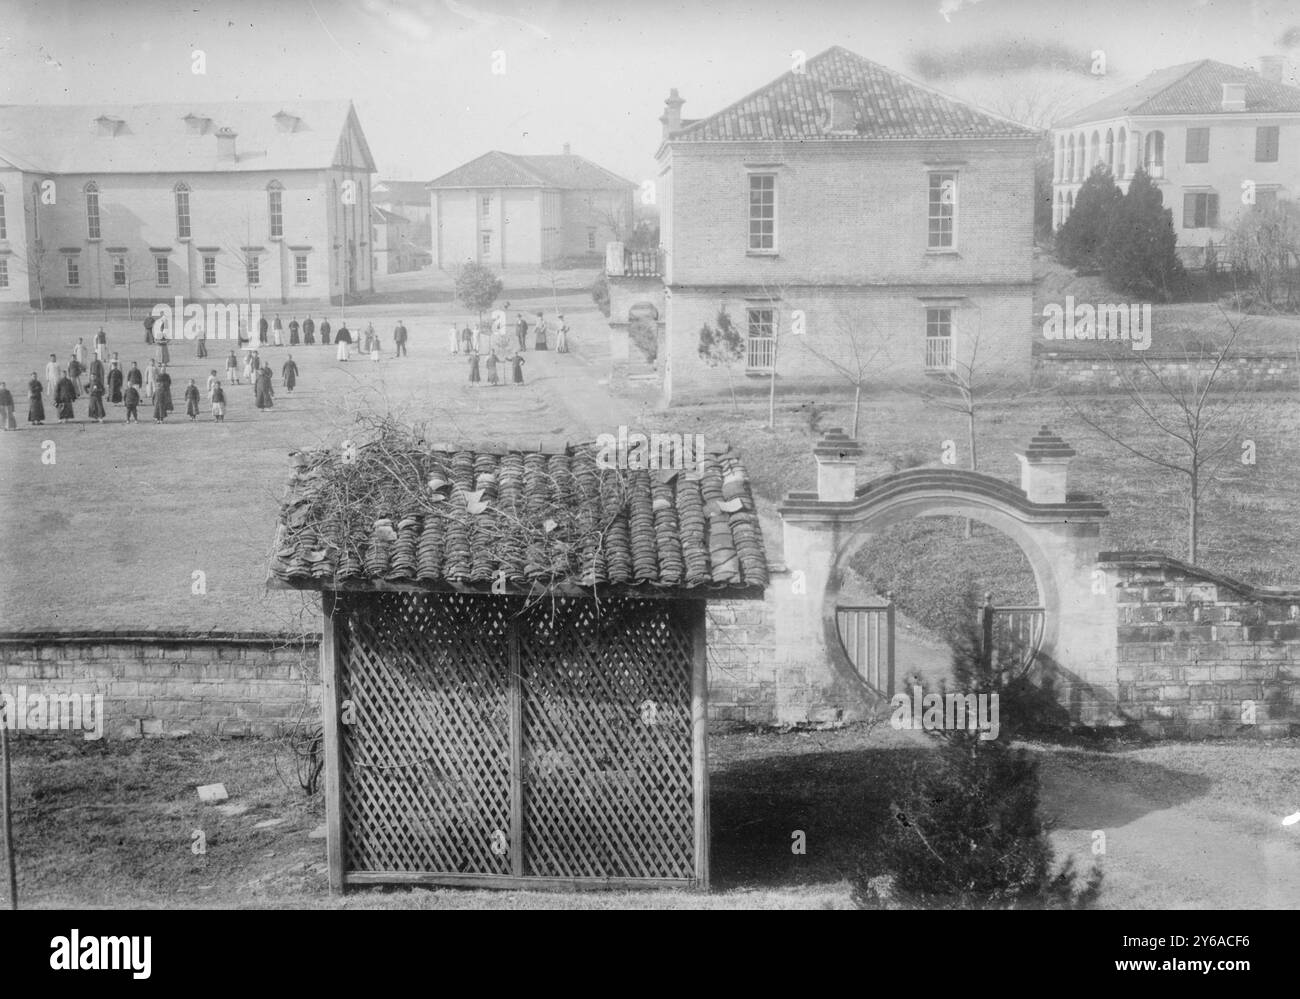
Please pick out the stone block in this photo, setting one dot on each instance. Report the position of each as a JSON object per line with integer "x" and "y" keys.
{"x": 1225, "y": 672}
{"x": 152, "y": 728}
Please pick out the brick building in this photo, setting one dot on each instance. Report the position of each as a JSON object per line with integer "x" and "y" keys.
{"x": 505, "y": 211}
{"x": 209, "y": 201}
{"x": 1204, "y": 131}
{"x": 844, "y": 206}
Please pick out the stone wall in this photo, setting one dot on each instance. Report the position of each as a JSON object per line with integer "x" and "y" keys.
{"x": 1103, "y": 373}
{"x": 1195, "y": 647}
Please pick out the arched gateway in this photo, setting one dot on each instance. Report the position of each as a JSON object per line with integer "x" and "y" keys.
{"x": 1059, "y": 533}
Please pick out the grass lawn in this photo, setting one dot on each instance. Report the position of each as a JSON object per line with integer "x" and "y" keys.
{"x": 1187, "y": 825}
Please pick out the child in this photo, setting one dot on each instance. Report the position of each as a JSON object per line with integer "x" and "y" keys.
{"x": 473, "y": 369}
{"x": 217, "y": 395}
{"x": 492, "y": 369}
{"x": 192, "y": 401}
{"x": 131, "y": 397}
{"x": 517, "y": 369}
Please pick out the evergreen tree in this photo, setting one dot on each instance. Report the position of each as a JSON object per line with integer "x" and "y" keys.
{"x": 1139, "y": 251}
{"x": 477, "y": 287}
{"x": 1079, "y": 241}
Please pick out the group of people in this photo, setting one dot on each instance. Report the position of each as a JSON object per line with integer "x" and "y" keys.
{"x": 464, "y": 340}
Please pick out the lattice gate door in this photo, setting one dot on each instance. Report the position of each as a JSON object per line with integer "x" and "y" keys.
{"x": 488, "y": 739}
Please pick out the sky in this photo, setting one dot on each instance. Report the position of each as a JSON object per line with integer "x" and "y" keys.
{"x": 438, "y": 82}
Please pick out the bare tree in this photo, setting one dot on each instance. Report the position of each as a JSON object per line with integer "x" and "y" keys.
{"x": 863, "y": 344}
{"x": 722, "y": 347}
{"x": 1197, "y": 425}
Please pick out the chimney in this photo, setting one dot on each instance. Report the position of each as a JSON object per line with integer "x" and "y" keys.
{"x": 843, "y": 115}
{"x": 566, "y": 149}
{"x": 226, "y": 143}
{"x": 672, "y": 116}
{"x": 1043, "y": 467}
{"x": 1270, "y": 68}
{"x": 837, "y": 457}
{"x": 1234, "y": 97}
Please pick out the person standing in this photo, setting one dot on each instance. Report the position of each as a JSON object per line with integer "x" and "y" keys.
{"x": 374, "y": 344}
{"x": 212, "y": 380}
{"x": 96, "y": 393}
{"x": 164, "y": 355}
{"x": 265, "y": 391}
{"x": 131, "y": 399}
{"x": 289, "y": 374}
{"x": 218, "y": 399}
{"x": 492, "y": 378}
{"x": 101, "y": 345}
{"x": 192, "y": 401}
{"x": 79, "y": 351}
{"x": 201, "y": 344}
{"x": 248, "y": 368}
{"x": 344, "y": 341}
{"x": 399, "y": 339}
{"x": 521, "y": 331}
{"x": 115, "y": 384}
{"x": 162, "y": 400}
{"x": 134, "y": 378}
{"x": 308, "y": 332}
{"x": 232, "y": 369}
{"x": 73, "y": 372}
{"x": 539, "y": 339}
{"x": 562, "y": 337}
{"x": 466, "y": 340}
{"x": 7, "y": 409}
{"x": 473, "y": 368}
{"x": 35, "y": 407}
{"x": 51, "y": 372}
{"x": 453, "y": 342}
{"x": 262, "y": 328}
{"x": 148, "y": 329}
{"x": 325, "y": 332}
{"x": 517, "y": 369}
{"x": 64, "y": 396}
{"x": 151, "y": 380}
{"x": 277, "y": 328}
{"x": 293, "y": 332}
{"x": 257, "y": 362}
{"x": 97, "y": 374}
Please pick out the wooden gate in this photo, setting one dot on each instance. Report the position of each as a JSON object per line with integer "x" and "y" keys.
{"x": 488, "y": 739}
{"x": 867, "y": 634}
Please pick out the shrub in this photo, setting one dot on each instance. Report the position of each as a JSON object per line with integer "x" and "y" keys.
{"x": 600, "y": 294}
{"x": 1079, "y": 241}
{"x": 1139, "y": 251}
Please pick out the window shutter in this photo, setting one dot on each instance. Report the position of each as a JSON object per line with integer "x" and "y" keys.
{"x": 1189, "y": 211}
{"x": 1212, "y": 211}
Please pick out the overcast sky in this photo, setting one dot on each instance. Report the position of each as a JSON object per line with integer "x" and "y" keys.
{"x": 593, "y": 73}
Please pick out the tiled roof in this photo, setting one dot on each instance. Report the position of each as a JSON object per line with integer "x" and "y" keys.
{"x": 383, "y": 216}
{"x": 498, "y": 169}
{"x": 1189, "y": 88}
{"x": 155, "y": 138}
{"x": 461, "y": 517}
{"x": 888, "y": 105}
{"x": 401, "y": 191}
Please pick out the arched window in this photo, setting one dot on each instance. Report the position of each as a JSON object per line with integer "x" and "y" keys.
{"x": 1081, "y": 159}
{"x": 1069, "y": 159}
{"x": 1122, "y": 157}
{"x": 92, "y": 210}
{"x": 275, "y": 208}
{"x": 182, "y": 192}
{"x": 1155, "y": 154}
{"x": 1110, "y": 151}
{"x": 1094, "y": 151}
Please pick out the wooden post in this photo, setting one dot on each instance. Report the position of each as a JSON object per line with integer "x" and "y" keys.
{"x": 515, "y": 689}
{"x": 332, "y": 747}
{"x": 6, "y": 811}
{"x": 698, "y": 617}
{"x": 889, "y": 646}
{"x": 986, "y": 632}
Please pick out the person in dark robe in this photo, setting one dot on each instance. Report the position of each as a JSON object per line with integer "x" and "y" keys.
{"x": 35, "y": 407}
{"x": 473, "y": 369}
{"x": 65, "y": 394}
{"x": 521, "y": 331}
{"x": 325, "y": 332}
{"x": 308, "y": 331}
{"x": 115, "y": 384}
{"x": 192, "y": 401}
{"x": 265, "y": 391}
{"x": 289, "y": 373}
{"x": 293, "y": 332}
{"x": 148, "y": 329}
{"x": 262, "y": 328}
{"x": 492, "y": 378}
{"x": 162, "y": 399}
{"x": 7, "y": 409}
{"x": 97, "y": 374}
{"x": 73, "y": 374}
{"x": 96, "y": 394}
{"x": 399, "y": 338}
{"x": 517, "y": 369}
{"x": 344, "y": 341}
{"x": 134, "y": 378}
{"x": 539, "y": 337}
{"x": 131, "y": 399}
{"x": 163, "y": 354}
{"x": 466, "y": 340}
{"x": 257, "y": 363}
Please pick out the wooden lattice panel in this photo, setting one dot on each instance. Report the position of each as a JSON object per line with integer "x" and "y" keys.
{"x": 511, "y": 736}
{"x": 607, "y": 737}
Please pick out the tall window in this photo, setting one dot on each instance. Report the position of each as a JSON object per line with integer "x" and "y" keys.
{"x": 1201, "y": 210}
{"x": 485, "y": 241}
{"x": 1155, "y": 154}
{"x": 1198, "y": 145}
{"x": 254, "y": 269}
{"x": 162, "y": 271}
{"x": 1265, "y": 200}
{"x": 762, "y": 212}
{"x": 760, "y": 346}
{"x": 92, "y": 210}
{"x": 943, "y": 210}
{"x": 4, "y": 272}
{"x": 4, "y": 232}
{"x": 591, "y": 239}
{"x": 182, "y": 211}
{"x": 485, "y": 206}
{"x": 938, "y": 339}
{"x": 275, "y": 208}
{"x": 300, "y": 268}
{"x": 119, "y": 271}
{"x": 74, "y": 271}
{"x": 1266, "y": 144}
{"x": 209, "y": 268}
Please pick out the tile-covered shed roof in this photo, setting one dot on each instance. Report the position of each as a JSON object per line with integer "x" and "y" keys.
{"x": 444, "y": 517}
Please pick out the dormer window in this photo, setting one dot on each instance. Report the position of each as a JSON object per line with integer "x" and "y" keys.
{"x": 197, "y": 124}
{"x": 286, "y": 122}
{"x": 106, "y": 124}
